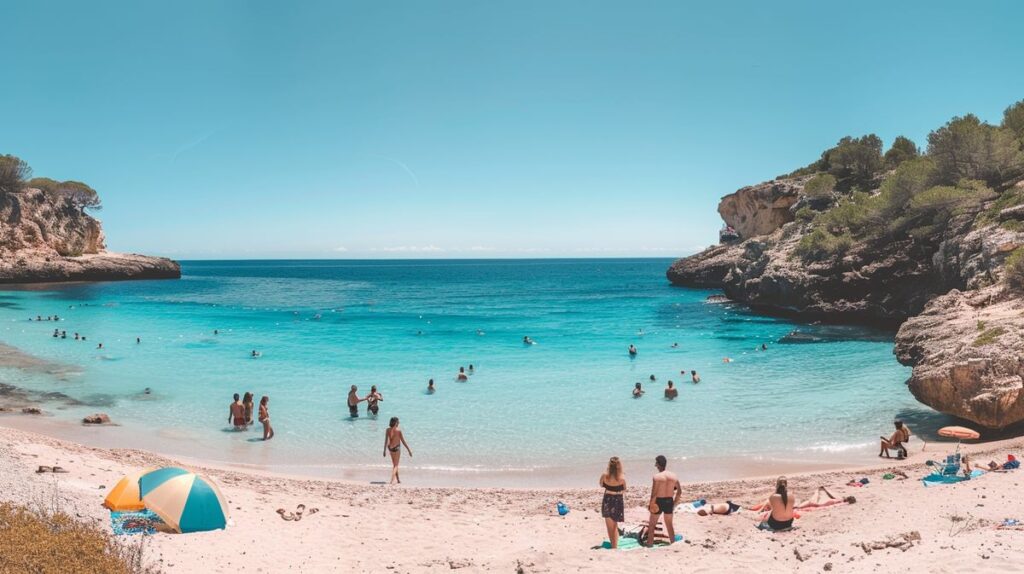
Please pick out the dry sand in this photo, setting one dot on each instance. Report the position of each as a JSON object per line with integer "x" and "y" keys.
{"x": 896, "y": 526}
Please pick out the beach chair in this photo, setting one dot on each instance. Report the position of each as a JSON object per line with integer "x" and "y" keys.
{"x": 948, "y": 467}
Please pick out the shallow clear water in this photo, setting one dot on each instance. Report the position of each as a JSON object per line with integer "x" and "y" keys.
{"x": 560, "y": 404}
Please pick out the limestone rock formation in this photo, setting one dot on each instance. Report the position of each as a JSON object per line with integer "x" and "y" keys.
{"x": 760, "y": 209}
{"x": 44, "y": 240}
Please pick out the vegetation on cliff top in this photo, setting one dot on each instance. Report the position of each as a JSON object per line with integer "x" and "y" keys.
{"x": 15, "y": 174}
{"x": 969, "y": 168}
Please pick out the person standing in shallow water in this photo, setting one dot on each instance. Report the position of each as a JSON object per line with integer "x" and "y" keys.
{"x": 671, "y": 392}
{"x": 264, "y": 416}
{"x": 236, "y": 413}
{"x": 394, "y": 440}
{"x": 372, "y": 408}
{"x": 353, "y": 402}
{"x": 430, "y": 387}
{"x": 247, "y": 400}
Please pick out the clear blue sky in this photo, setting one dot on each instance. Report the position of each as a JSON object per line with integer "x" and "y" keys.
{"x": 454, "y": 129}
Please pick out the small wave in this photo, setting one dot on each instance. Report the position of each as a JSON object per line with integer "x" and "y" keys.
{"x": 834, "y": 447}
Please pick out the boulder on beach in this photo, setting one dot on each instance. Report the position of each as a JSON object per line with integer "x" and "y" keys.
{"x": 97, "y": 419}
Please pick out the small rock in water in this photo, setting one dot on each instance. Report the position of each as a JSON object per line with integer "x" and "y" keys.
{"x": 96, "y": 419}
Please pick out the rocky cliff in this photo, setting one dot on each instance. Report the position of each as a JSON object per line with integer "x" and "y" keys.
{"x": 43, "y": 239}
{"x": 931, "y": 262}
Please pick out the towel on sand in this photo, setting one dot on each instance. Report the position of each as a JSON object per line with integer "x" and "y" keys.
{"x": 936, "y": 480}
{"x": 139, "y": 522}
{"x": 632, "y": 543}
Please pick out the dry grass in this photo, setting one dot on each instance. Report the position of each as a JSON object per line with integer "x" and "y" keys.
{"x": 42, "y": 540}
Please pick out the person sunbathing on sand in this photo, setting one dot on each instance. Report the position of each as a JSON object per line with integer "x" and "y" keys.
{"x": 780, "y": 505}
{"x": 665, "y": 494}
{"x": 819, "y": 501}
{"x": 721, "y": 508}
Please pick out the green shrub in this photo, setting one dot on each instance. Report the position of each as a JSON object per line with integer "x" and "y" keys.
{"x": 903, "y": 149}
{"x": 1010, "y": 198}
{"x": 13, "y": 173}
{"x": 820, "y": 244}
{"x": 1013, "y": 120}
{"x": 989, "y": 336}
{"x": 805, "y": 214}
{"x": 820, "y": 186}
{"x": 968, "y": 148}
{"x": 1014, "y": 269}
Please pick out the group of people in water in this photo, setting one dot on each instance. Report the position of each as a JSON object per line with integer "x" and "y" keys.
{"x": 776, "y": 513}
{"x": 240, "y": 414}
{"x": 671, "y": 392}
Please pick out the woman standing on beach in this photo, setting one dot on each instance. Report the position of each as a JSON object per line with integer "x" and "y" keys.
{"x": 268, "y": 431}
{"x": 394, "y": 439}
{"x": 613, "y": 481}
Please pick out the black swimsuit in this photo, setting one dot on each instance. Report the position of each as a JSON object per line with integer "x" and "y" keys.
{"x": 612, "y": 504}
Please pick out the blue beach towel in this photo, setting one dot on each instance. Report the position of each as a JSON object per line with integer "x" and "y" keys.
{"x": 129, "y": 523}
{"x": 628, "y": 543}
{"x": 936, "y": 479}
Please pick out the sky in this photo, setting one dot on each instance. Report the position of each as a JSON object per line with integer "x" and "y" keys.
{"x": 445, "y": 129}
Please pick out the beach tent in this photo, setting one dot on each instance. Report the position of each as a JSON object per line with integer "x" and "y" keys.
{"x": 184, "y": 500}
{"x": 125, "y": 497}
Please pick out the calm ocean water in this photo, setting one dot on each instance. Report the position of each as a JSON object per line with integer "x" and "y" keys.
{"x": 544, "y": 410}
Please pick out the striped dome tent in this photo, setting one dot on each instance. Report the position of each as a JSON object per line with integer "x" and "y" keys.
{"x": 184, "y": 500}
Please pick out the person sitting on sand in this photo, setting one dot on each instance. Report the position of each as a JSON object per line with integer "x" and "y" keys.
{"x": 236, "y": 413}
{"x": 247, "y": 400}
{"x": 264, "y": 417}
{"x": 671, "y": 392}
{"x": 394, "y": 439}
{"x": 430, "y": 387}
{"x": 462, "y": 377}
{"x": 694, "y": 377}
{"x": 638, "y": 391}
{"x": 720, "y": 508}
{"x": 665, "y": 494}
{"x": 819, "y": 501}
{"x": 371, "y": 401}
{"x": 780, "y": 508}
{"x": 896, "y": 441}
{"x": 353, "y": 402}
{"x": 613, "y": 481}
{"x": 632, "y": 351}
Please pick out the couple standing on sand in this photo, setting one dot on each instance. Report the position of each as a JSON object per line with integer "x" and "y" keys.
{"x": 665, "y": 494}
{"x": 372, "y": 399}
{"x": 240, "y": 414}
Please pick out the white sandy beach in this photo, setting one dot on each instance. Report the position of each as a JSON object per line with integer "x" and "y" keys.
{"x": 896, "y": 526}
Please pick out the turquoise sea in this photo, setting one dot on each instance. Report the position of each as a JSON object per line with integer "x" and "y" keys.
{"x": 549, "y": 413}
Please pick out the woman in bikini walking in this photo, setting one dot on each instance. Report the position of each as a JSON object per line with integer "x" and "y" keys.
{"x": 394, "y": 439}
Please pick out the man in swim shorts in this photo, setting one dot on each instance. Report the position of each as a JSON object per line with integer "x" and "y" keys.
{"x": 671, "y": 392}
{"x": 353, "y": 402}
{"x": 665, "y": 495}
{"x": 236, "y": 413}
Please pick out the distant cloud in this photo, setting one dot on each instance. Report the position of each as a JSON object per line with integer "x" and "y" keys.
{"x": 409, "y": 249}
{"x": 341, "y": 249}
{"x": 481, "y": 248}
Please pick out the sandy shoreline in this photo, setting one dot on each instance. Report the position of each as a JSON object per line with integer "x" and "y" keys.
{"x": 370, "y": 528}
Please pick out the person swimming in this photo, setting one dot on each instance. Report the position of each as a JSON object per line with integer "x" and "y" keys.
{"x": 671, "y": 392}
{"x": 63, "y": 334}
{"x": 462, "y": 375}
{"x": 528, "y": 341}
{"x": 216, "y": 332}
{"x": 675, "y": 345}
{"x": 726, "y": 360}
{"x": 471, "y": 368}
{"x": 56, "y": 333}
{"x": 137, "y": 340}
{"x": 100, "y": 346}
{"x": 638, "y": 391}
{"x": 632, "y": 351}
{"x": 764, "y": 347}
{"x": 76, "y": 336}
{"x": 652, "y": 378}
{"x": 430, "y": 387}
{"x": 694, "y": 377}
{"x": 256, "y": 354}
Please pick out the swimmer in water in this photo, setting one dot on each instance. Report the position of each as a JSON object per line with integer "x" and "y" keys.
{"x": 137, "y": 340}
{"x": 671, "y": 392}
{"x": 63, "y": 334}
{"x": 632, "y": 350}
{"x": 255, "y": 353}
{"x": 726, "y": 360}
{"x": 471, "y": 368}
{"x": 527, "y": 341}
{"x": 100, "y": 346}
{"x": 462, "y": 375}
{"x": 640, "y": 333}
{"x": 764, "y": 347}
{"x": 56, "y": 333}
{"x": 76, "y": 336}
{"x": 430, "y": 387}
{"x": 694, "y": 377}
{"x": 638, "y": 391}
{"x": 675, "y": 345}
{"x": 480, "y": 332}
{"x": 652, "y": 378}
{"x": 216, "y": 332}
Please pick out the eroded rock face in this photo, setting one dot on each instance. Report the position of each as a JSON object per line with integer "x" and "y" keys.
{"x": 760, "y": 209}
{"x": 43, "y": 240}
{"x": 967, "y": 350}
